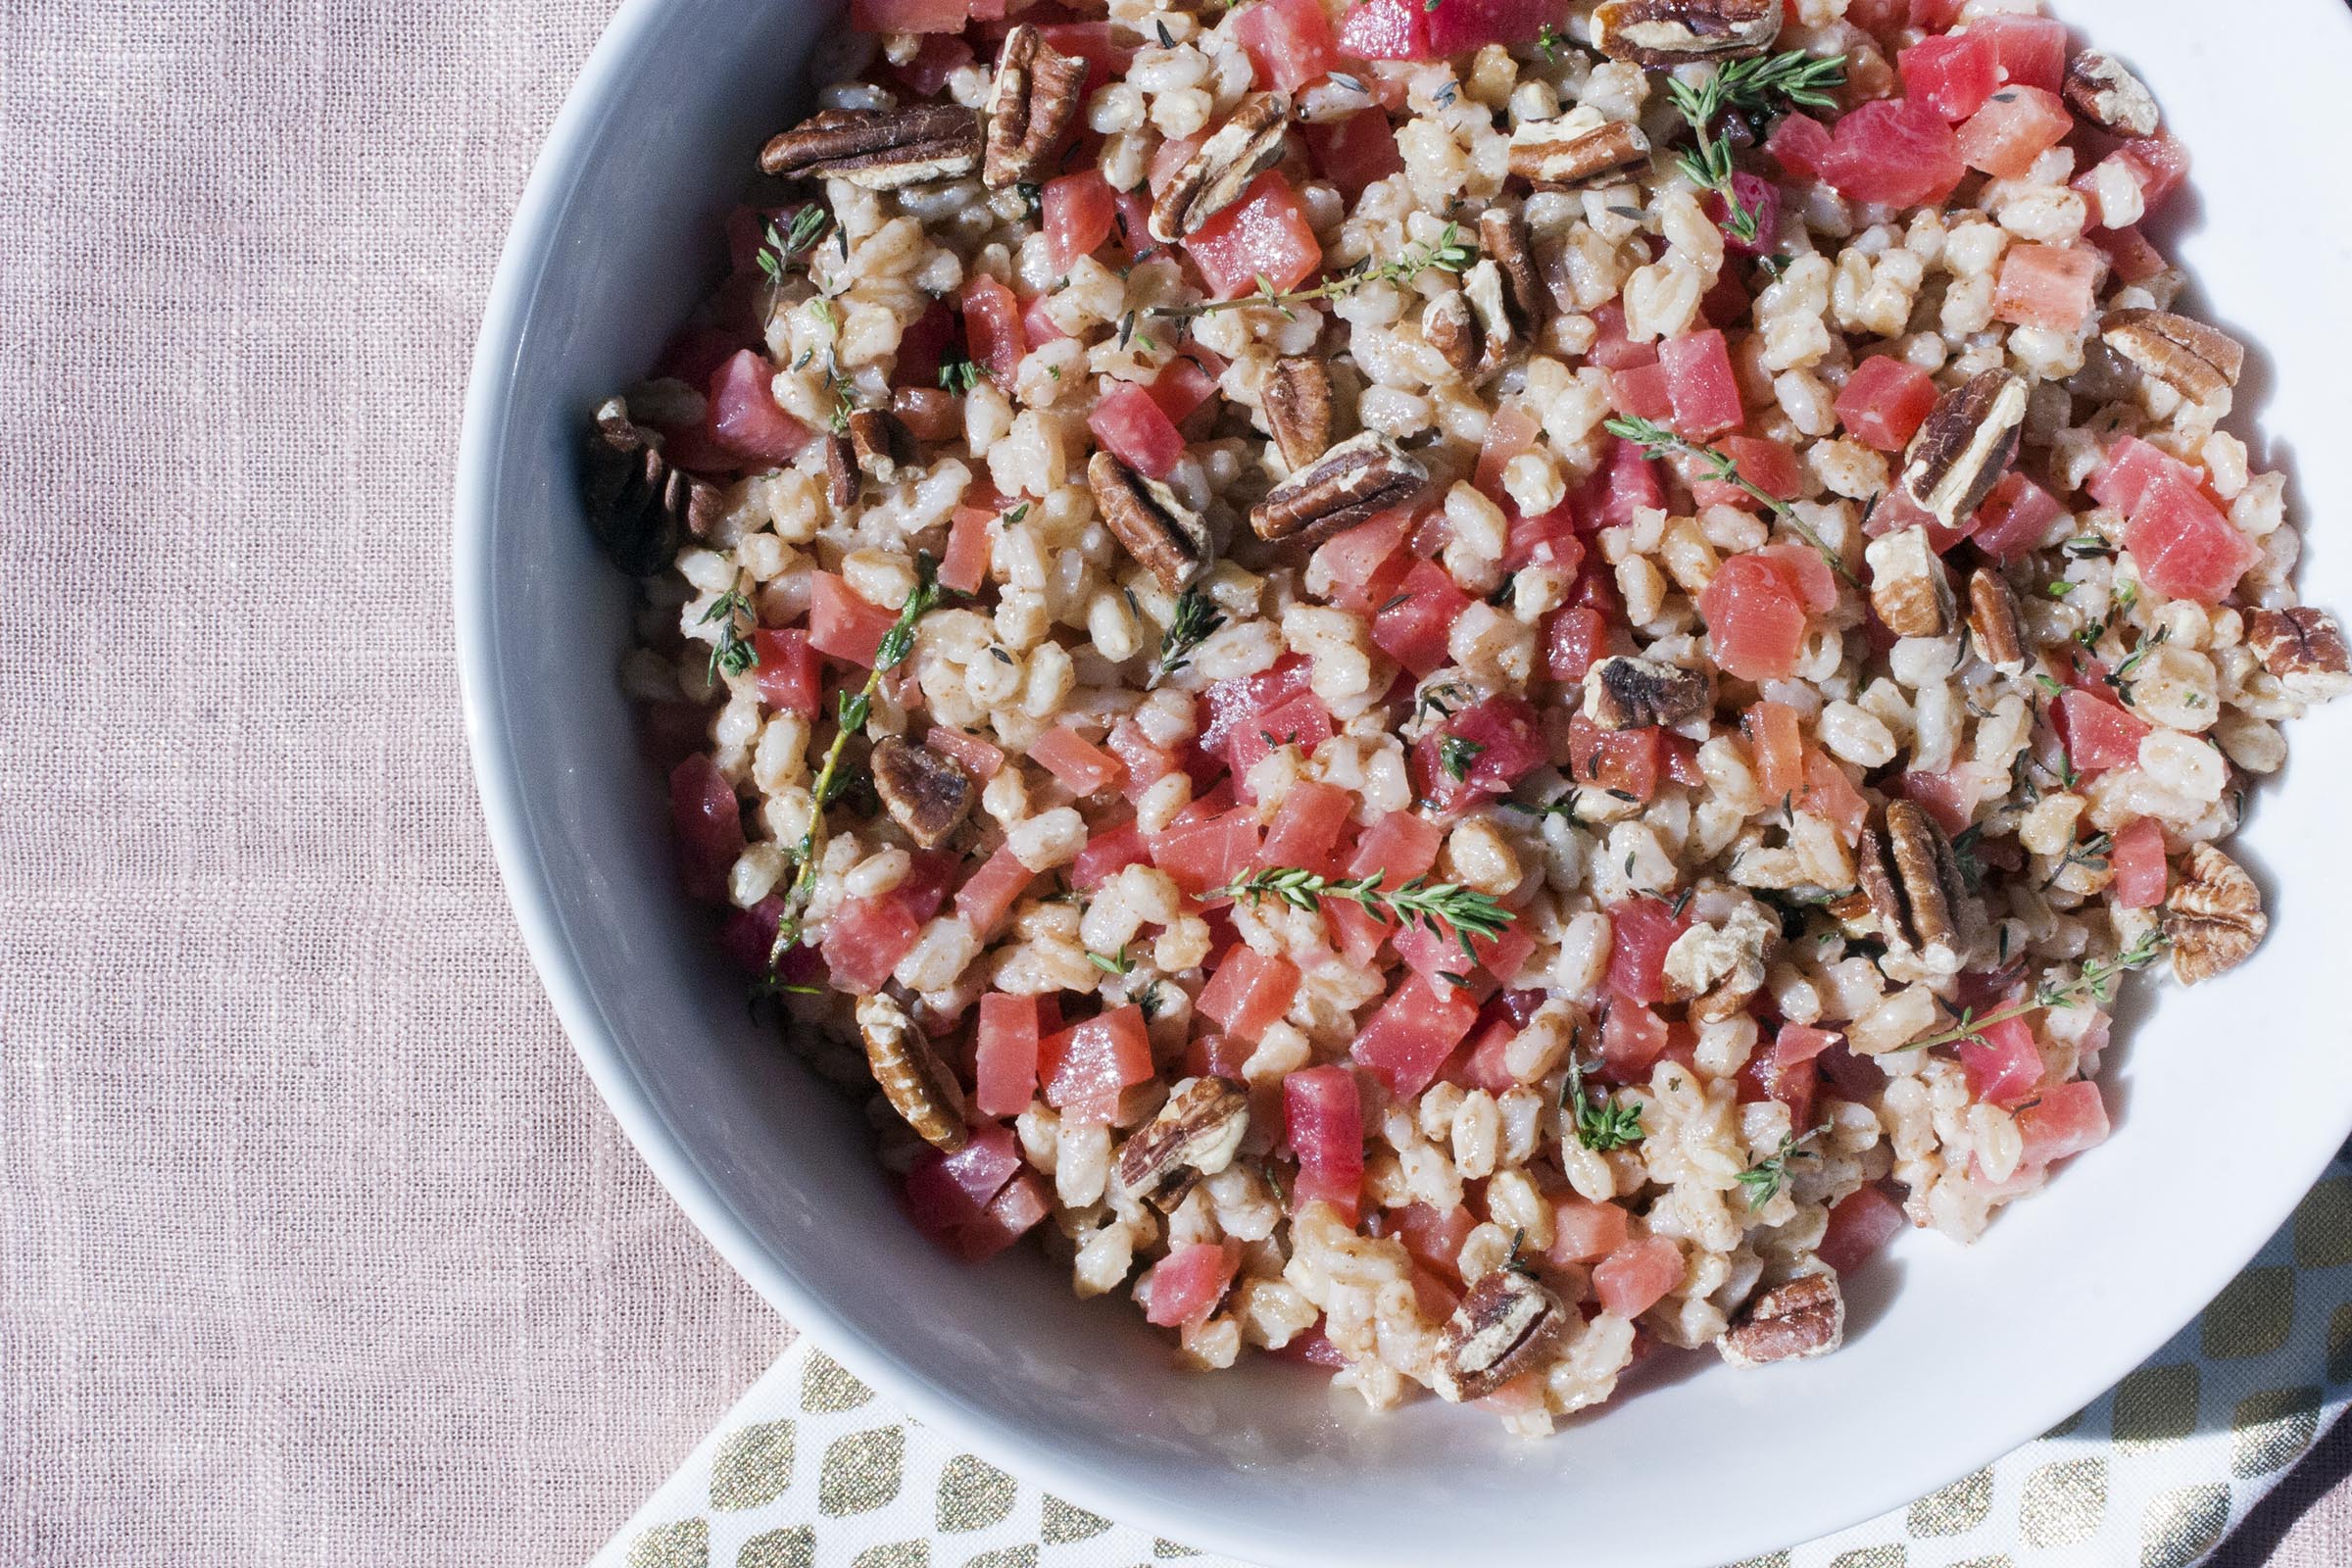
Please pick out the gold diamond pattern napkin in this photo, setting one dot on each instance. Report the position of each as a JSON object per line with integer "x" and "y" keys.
{"x": 812, "y": 1468}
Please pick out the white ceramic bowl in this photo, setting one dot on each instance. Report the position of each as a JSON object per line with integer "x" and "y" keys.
{"x": 2228, "y": 1098}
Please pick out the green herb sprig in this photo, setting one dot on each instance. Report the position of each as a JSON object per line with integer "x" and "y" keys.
{"x": 1762, "y": 1181}
{"x": 1722, "y": 468}
{"x": 852, "y": 711}
{"x": 1601, "y": 1123}
{"x": 778, "y": 252}
{"x": 1196, "y": 619}
{"x": 1455, "y": 754}
{"x": 960, "y": 374}
{"x": 734, "y": 652}
{"x": 2096, "y": 983}
{"x": 1452, "y": 253}
{"x": 1437, "y": 906}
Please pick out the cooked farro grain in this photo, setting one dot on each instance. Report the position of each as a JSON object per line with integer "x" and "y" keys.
{"x": 1659, "y": 1016}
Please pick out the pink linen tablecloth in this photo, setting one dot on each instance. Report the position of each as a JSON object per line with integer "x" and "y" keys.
{"x": 316, "y": 1247}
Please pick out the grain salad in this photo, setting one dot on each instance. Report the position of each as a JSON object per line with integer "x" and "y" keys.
{"x": 1460, "y": 689}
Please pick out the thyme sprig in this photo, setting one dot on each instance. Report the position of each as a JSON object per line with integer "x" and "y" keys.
{"x": 852, "y": 711}
{"x": 1435, "y": 906}
{"x": 957, "y": 373}
{"x": 778, "y": 251}
{"x": 1722, "y": 468}
{"x": 1196, "y": 619}
{"x": 734, "y": 652}
{"x": 1762, "y": 1181}
{"x": 1762, "y": 88}
{"x": 1452, "y": 253}
{"x": 1601, "y": 1123}
{"x": 2096, "y": 983}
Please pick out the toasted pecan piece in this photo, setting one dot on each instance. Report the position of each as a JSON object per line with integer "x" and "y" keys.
{"x": 2194, "y": 359}
{"x": 1214, "y": 178}
{"x": 1672, "y": 32}
{"x": 926, "y": 792}
{"x": 2103, "y": 90}
{"x": 638, "y": 508}
{"x": 1800, "y": 1317}
{"x": 2213, "y": 916}
{"x": 2304, "y": 648}
{"x": 879, "y": 149}
{"x": 1361, "y": 478}
{"x": 1032, "y": 104}
{"x": 1906, "y": 867}
{"x": 1503, "y": 236}
{"x": 1168, "y": 537}
{"x": 1910, "y": 588}
{"x": 1965, "y": 446}
{"x": 1506, "y": 1325}
{"x": 841, "y": 472}
{"x": 915, "y": 1082}
{"x": 1298, "y": 405}
{"x": 1578, "y": 146}
{"x": 1627, "y": 692}
{"x": 1195, "y": 1133}
{"x": 1993, "y": 626}
{"x": 880, "y": 445}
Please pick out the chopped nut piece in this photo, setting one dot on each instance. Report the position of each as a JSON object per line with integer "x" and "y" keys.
{"x": 917, "y": 1085}
{"x": 1361, "y": 478}
{"x": 1718, "y": 967}
{"x": 1906, "y": 866}
{"x": 638, "y": 508}
{"x": 1800, "y": 1317}
{"x": 2194, "y": 359}
{"x": 1623, "y": 693}
{"x": 927, "y": 792}
{"x": 1502, "y": 235}
{"x": 2103, "y": 90}
{"x": 1992, "y": 623}
{"x": 1166, "y": 536}
{"x": 1298, "y": 403}
{"x": 1453, "y": 330}
{"x": 841, "y": 472}
{"x": 1505, "y": 1326}
{"x": 1214, "y": 177}
{"x": 1031, "y": 106}
{"x": 1579, "y": 146}
{"x": 2214, "y": 918}
{"x": 2304, "y": 648}
{"x": 879, "y": 149}
{"x": 1471, "y": 327}
{"x": 1966, "y": 444}
{"x": 881, "y": 445}
{"x": 1194, "y": 1135}
{"x": 1670, "y": 32}
{"x": 1908, "y": 585}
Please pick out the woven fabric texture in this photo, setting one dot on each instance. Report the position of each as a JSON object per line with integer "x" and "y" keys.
{"x": 316, "y": 1247}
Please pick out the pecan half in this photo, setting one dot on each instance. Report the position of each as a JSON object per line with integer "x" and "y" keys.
{"x": 1906, "y": 867}
{"x": 927, "y": 792}
{"x": 917, "y": 1085}
{"x": 1361, "y": 478}
{"x": 638, "y": 508}
{"x": 2304, "y": 648}
{"x": 1626, "y": 693}
{"x": 1910, "y": 588}
{"x": 1214, "y": 177}
{"x": 879, "y": 149}
{"x": 1298, "y": 403}
{"x": 2103, "y": 90}
{"x": 1966, "y": 444}
{"x": 1579, "y": 146}
{"x": 841, "y": 472}
{"x": 1031, "y": 106}
{"x": 1800, "y": 1317}
{"x": 1471, "y": 327}
{"x": 1717, "y": 967}
{"x": 1993, "y": 621}
{"x": 1505, "y": 1326}
{"x": 1161, "y": 532}
{"x": 1502, "y": 235}
{"x": 1195, "y": 1133}
{"x": 2214, "y": 918}
{"x": 1669, "y": 32}
{"x": 880, "y": 445}
{"x": 2194, "y": 359}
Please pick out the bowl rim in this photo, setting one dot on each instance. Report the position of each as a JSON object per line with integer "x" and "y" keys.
{"x": 524, "y": 259}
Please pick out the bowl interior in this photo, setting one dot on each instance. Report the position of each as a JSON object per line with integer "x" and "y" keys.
{"x": 2229, "y": 1097}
